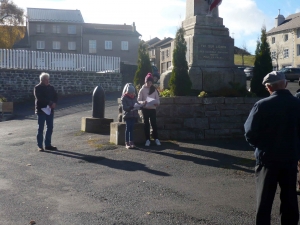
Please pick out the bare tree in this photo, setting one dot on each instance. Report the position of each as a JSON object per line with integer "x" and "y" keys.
{"x": 276, "y": 52}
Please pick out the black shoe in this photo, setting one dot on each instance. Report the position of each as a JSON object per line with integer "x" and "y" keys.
{"x": 50, "y": 147}
{"x": 40, "y": 149}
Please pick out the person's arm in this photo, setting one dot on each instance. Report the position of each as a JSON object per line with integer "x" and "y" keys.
{"x": 125, "y": 106}
{"x": 52, "y": 104}
{"x": 140, "y": 97}
{"x": 253, "y": 127}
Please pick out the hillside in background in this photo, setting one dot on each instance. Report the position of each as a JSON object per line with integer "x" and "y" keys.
{"x": 248, "y": 60}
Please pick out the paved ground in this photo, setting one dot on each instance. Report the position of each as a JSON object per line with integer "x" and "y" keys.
{"x": 89, "y": 181}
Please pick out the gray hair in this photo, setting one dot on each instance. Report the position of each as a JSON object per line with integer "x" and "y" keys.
{"x": 43, "y": 75}
{"x": 276, "y": 83}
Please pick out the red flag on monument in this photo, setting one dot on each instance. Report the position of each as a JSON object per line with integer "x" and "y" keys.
{"x": 213, "y": 4}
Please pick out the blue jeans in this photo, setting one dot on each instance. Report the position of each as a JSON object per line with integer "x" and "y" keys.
{"x": 129, "y": 129}
{"x": 40, "y": 134}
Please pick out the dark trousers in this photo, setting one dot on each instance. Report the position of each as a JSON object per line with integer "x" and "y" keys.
{"x": 129, "y": 129}
{"x": 267, "y": 177}
{"x": 150, "y": 114}
{"x": 42, "y": 118}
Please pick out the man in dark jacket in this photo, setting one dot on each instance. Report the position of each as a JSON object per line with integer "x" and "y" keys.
{"x": 45, "y": 102}
{"x": 273, "y": 129}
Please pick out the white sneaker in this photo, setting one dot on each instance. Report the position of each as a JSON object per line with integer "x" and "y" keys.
{"x": 147, "y": 143}
{"x": 157, "y": 142}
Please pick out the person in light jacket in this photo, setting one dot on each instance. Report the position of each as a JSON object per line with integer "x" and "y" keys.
{"x": 146, "y": 93}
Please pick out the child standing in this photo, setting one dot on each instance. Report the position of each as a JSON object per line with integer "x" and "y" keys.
{"x": 149, "y": 112}
{"x": 130, "y": 115}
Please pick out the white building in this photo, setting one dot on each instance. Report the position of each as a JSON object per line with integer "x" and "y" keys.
{"x": 284, "y": 40}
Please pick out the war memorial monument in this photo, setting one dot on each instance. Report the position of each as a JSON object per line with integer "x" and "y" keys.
{"x": 210, "y": 49}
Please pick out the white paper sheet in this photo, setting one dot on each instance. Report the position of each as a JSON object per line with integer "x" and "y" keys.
{"x": 46, "y": 110}
{"x": 136, "y": 106}
{"x": 151, "y": 102}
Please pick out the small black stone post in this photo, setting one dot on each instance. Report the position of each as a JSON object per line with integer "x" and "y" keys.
{"x": 97, "y": 123}
{"x": 98, "y": 100}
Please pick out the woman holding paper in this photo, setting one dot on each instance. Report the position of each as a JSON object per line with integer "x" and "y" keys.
{"x": 149, "y": 94}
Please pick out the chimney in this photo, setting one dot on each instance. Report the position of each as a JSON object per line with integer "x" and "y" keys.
{"x": 279, "y": 20}
{"x": 133, "y": 27}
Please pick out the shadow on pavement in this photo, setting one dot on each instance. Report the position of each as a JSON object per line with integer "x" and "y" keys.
{"x": 115, "y": 164}
{"x": 236, "y": 144}
{"x": 203, "y": 157}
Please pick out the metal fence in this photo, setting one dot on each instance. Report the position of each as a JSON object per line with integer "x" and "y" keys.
{"x": 23, "y": 59}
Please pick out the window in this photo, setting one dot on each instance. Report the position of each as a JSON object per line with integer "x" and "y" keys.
{"x": 108, "y": 45}
{"x": 286, "y": 37}
{"x": 298, "y": 50}
{"x": 92, "y": 46}
{"x": 124, "y": 45}
{"x": 56, "y": 29}
{"x": 273, "y": 55}
{"x": 162, "y": 55}
{"x": 167, "y": 53}
{"x": 163, "y": 67}
{"x": 40, "y": 28}
{"x": 56, "y": 45}
{"x": 298, "y": 33}
{"x": 169, "y": 64}
{"x": 273, "y": 40}
{"x": 153, "y": 52}
{"x": 285, "y": 53}
{"x": 72, "y": 45}
{"x": 40, "y": 45}
{"x": 71, "y": 29}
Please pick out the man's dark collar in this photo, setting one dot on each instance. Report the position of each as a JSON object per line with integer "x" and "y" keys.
{"x": 281, "y": 91}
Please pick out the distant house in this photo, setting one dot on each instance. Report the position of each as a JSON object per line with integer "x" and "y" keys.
{"x": 284, "y": 40}
{"x": 64, "y": 31}
{"x": 165, "y": 56}
{"x": 155, "y": 52}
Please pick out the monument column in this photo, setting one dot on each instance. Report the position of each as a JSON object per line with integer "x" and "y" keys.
{"x": 210, "y": 49}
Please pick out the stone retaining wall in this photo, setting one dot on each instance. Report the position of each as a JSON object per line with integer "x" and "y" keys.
{"x": 17, "y": 85}
{"x": 193, "y": 118}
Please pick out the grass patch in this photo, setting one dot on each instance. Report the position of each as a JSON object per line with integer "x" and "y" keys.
{"x": 248, "y": 60}
{"x": 99, "y": 145}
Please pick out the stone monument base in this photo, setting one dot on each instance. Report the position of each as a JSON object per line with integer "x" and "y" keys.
{"x": 208, "y": 79}
{"x": 211, "y": 79}
{"x": 117, "y": 133}
{"x": 96, "y": 125}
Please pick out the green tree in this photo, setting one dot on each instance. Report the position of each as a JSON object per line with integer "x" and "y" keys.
{"x": 11, "y": 17}
{"x": 262, "y": 65}
{"x": 144, "y": 65}
{"x": 180, "y": 83}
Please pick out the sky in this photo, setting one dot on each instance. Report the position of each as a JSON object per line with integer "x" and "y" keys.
{"x": 161, "y": 18}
